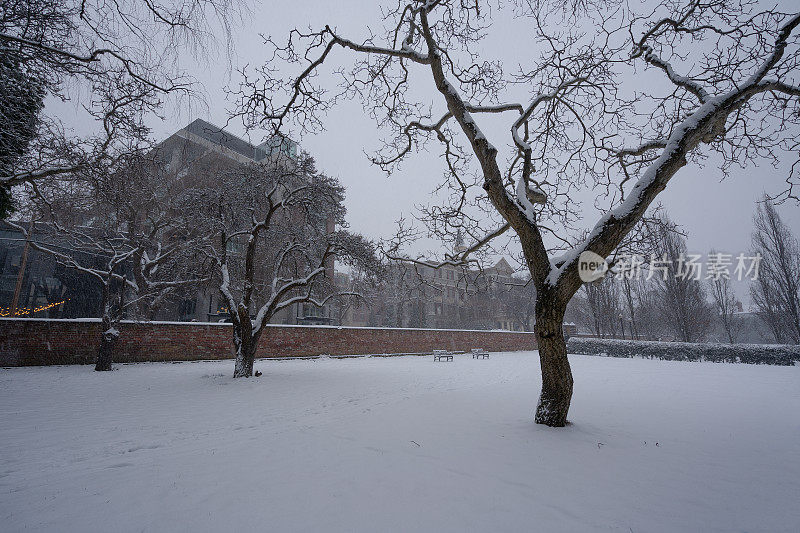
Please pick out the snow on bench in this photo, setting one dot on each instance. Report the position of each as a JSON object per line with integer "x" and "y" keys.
{"x": 442, "y": 355}
{"x": 480, "y": 353}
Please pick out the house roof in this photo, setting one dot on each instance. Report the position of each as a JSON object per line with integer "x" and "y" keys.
{"x": 503, "y": 266}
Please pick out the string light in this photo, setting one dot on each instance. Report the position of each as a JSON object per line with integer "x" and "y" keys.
{"x": 6, "y": 311}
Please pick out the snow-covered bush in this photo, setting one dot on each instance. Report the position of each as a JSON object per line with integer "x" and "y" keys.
{"x": 756, "y": 354}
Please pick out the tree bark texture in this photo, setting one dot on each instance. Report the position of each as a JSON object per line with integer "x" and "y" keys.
{"x": 557, "y": 382}
{"x": 245, "y": 346}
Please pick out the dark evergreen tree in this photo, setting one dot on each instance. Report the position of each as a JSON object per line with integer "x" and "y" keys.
{"x": 21, "y": 100}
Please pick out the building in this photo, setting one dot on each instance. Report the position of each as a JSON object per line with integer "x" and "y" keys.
{"x": 426, "y": 295}
{"x": 45, "y": 288}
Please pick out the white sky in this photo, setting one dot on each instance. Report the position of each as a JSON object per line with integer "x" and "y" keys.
{"x": 715, "y": 214}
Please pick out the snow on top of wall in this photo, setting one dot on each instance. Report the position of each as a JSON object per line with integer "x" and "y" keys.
{"x": 321, "y": 326}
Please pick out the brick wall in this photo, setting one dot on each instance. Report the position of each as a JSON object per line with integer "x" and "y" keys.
{"x": 57, "y": 342}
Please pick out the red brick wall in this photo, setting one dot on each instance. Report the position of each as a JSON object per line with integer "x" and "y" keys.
{"x": 57, "y": 342}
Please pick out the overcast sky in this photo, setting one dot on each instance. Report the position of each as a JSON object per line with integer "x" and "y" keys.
{"x": 717, "y": 214}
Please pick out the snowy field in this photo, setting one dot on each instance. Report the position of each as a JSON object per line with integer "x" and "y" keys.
{"x": 400, "y": 444}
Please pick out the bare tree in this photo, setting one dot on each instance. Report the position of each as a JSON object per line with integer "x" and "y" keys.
{"x": 675, "y": 277}
{"x": 603, "y": 306}
{"x": 729, "y": 86}
{"x": 776, "y": 292}
{"x": 117, "y": 226}
{"x": 724, "y": 302}
{"x": 630, "y": 304}
{"x": 768, "y": 309}
{"x": 518, "y": 300}
{"x": 649, "y": 321}
{"x": 273, "y": 243}
{"x": 397, "y": 293}
{"x": 628, "y": 288}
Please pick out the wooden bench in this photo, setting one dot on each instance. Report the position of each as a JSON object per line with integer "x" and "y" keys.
{"x": 480, "y": 353}
{"x": 442, "y": 355}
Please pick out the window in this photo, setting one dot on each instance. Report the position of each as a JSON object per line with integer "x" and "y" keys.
{"x": 187, "y": 308}
{"x": 235, "y": 246}
{"x": 308, "y": 310}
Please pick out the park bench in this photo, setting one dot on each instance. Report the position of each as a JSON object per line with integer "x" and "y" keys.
{"x": 442, "y": 355}
{"x": 480, "y": 353}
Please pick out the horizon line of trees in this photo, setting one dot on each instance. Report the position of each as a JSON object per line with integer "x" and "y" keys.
{"x": 670, "y": 302}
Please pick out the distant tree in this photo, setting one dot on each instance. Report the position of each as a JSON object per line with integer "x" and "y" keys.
{"x": 776, "y": 292}
{"x": 594, "y": 118}
{"x": 725, "y": 303}
{"x": 636, "y": 295}
{"x": 397, "y": 293}
{"x": 518, "y": 301}
{"x": 680, "y": 297}
{"x": 628, "y": 287}
{"x": 650, "y": 323}
{"x": 768, "y": 309}
{"x": 603, "y": 306}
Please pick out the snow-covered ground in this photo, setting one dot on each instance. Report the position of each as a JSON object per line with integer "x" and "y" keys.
{"x": 399, "y": 444}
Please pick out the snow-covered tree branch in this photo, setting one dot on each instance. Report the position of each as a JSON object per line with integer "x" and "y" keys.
{"x": 119, "y": 227}
{"x": 722, "y": 79}
{"x": 272, "y": 242}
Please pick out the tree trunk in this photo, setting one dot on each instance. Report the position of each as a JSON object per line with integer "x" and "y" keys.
{"x": 556, "y": 374}
{"x": 245, "y": 346}
{"x": 108, "y": 340}
{"x": 726, "y": 324}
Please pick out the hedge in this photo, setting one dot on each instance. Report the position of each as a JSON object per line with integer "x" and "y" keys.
{"x": 754, "y": 354}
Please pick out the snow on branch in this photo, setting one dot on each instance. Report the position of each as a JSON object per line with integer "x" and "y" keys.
{"x": 703, "y": 125}
{"x": 574, "y": 133}
{"x": 686, "y": 82}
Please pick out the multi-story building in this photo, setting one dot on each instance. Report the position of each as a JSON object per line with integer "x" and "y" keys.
{"x": 431, "y": 296}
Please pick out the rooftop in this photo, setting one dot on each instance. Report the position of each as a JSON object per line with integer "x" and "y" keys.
{"x": 219, "y": 136}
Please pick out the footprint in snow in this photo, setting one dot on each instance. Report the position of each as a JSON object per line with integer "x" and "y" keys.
{"x": 120, "y": 465}
{"x": 144, "y": 447}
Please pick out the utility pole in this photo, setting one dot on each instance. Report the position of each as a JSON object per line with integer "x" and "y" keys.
{"x": 21, "y": 275}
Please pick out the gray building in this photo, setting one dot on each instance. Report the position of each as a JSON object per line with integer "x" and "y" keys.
{"x": 443, "y": 297}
